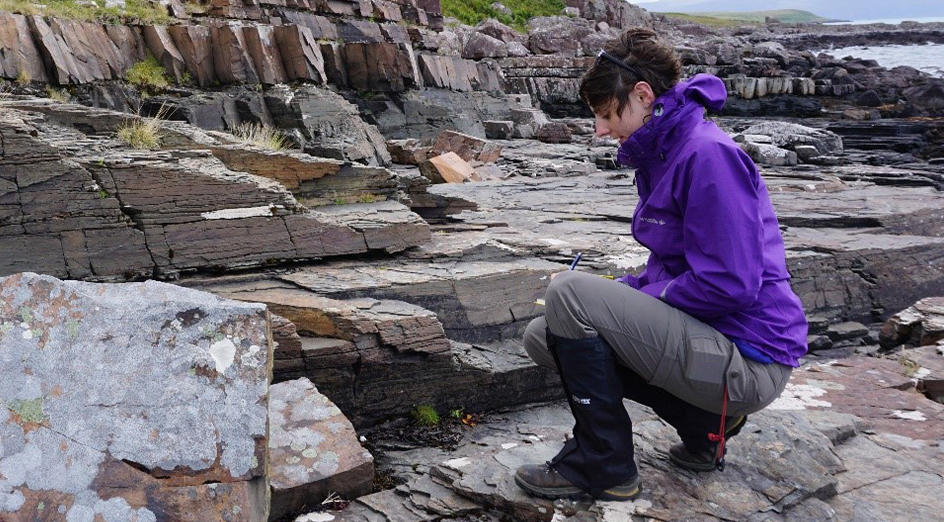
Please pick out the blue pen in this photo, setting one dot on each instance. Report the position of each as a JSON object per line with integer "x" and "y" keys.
{"x": 576, "y": 260}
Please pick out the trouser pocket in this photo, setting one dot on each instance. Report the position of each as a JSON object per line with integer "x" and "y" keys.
{"x": 705, "y": 365}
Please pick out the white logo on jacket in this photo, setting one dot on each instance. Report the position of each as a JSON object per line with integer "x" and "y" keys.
{"x": 653, "y": 221}
{"x": 578, "y": 400}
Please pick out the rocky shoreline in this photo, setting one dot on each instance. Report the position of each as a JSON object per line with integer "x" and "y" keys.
{"x": 383, "y": 288}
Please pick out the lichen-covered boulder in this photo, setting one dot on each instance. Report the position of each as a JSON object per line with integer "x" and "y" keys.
{"x": 131, "y": 402}
{"x": 313, "y": 450}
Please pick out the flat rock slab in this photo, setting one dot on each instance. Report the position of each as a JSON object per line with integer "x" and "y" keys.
{"x": 854, "y": 249}
{"x": 779, "y": 465}
{"x": 141, "y": 401}
{"x": 476, "y": 301}
{"x": 385, "y": 225}
{"x": 879, "y": 391}
{"x": 889, "y": 477}
{"x": 313, "y": 450}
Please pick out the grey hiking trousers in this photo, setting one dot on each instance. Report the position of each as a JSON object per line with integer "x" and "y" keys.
{"x": 664, "y": 346}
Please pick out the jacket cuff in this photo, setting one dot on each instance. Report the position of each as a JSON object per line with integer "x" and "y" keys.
{"x": 656, "y": 289}
{"x": 629, "y": 280}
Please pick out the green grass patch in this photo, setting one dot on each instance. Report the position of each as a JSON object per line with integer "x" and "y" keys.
{"x": 703, "y": 20}
{"x": 472, "y": 12}
{"x": 733, "y": 19}
{"x": 135, "y": 11}
{"x": 148, "y": 75}
{"x": 425, "y": 415}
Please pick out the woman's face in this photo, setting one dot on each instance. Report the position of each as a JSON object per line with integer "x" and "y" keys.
{"x": 635, "y": 112}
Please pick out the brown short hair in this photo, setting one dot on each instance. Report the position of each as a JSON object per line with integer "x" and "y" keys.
{"x": 652, "y": 61}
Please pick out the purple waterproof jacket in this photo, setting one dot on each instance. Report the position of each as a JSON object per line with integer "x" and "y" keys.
{"x": 705, "y": 214}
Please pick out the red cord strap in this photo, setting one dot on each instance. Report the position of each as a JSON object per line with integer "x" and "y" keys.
{"x": 719, "y": 437}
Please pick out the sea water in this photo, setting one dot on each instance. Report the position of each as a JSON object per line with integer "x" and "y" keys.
{"x": 892, "y": 21}
{"x": 928, "y": 58}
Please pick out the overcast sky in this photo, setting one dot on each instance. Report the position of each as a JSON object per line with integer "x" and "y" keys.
{"x": 842, "y": 9}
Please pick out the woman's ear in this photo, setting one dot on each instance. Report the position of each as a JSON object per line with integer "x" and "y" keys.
{"x": 643, "y": 93}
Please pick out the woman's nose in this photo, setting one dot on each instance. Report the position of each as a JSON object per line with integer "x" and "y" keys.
{"x": 602, "y": 130}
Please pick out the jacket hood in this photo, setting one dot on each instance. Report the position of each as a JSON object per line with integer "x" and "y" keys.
{"x": 669, "y": 109}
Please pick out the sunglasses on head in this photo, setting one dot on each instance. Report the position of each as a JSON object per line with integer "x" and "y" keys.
{"x": 609, "y": 57}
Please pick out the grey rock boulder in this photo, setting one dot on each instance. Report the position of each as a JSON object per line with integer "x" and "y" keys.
{"x": 767, "y": 154}
{"x": 326, "y": 124}
{"x": 500, "y": 31}
{"x": 918, "y": 325}
{"x": 481, "y": 46}
{"x": 557, "y": 34}
{"x": 789, "y": 135}
{"x": 773, "y": 50}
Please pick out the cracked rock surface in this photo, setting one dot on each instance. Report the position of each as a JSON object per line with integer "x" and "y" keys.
{"x": 779, "y": 465}
{"x": 377, "y": 358}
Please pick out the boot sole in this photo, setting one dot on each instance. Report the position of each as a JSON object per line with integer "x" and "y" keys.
{"x": 623, "y": 491}
{"x": 617, "y": 493}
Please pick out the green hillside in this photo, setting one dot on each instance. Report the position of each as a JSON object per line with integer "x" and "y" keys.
{"x": 142, "y": 11}
{"x": 472, "y": 12}
{"x": 728, "y": 19}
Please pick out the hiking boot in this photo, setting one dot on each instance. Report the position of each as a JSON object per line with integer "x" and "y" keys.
{"x": 703, "y": 459}
{"x": 700, "y": 460}
{"x": 542, "y": 480}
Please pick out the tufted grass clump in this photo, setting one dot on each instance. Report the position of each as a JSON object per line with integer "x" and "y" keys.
{"x": 59, "y": 95}
{"x": 261, "y": 136}
{"x": 23, "y": 77}
{"x": 148, "y": 75}
{"x": 425, "y": 415}
{"x": 142, "y": 132}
